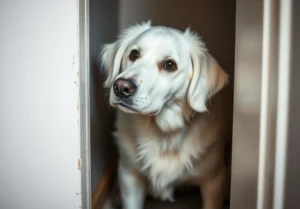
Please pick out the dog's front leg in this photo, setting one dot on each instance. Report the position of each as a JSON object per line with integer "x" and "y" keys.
{"x": 133, "y": 188}
{"x": 213, "y": 191}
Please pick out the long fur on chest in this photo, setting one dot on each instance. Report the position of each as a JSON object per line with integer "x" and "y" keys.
{"x": 164, "y": 158}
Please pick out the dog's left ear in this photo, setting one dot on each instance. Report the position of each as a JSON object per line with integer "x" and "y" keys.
{"x": 208, "y": 77}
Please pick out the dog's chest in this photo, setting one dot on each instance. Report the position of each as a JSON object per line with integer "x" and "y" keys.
{"x": 163, "y": 159}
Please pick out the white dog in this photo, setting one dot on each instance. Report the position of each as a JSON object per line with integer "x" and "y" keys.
{"x": 161, "y": 80}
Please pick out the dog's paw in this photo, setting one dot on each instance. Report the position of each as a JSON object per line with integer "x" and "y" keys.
{"x": 165, "y": 195}
{"x": 112, "y": 204}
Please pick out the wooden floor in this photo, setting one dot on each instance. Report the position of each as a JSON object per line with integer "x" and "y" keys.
{"x": 182, "y": 202}
{"x": 190, "y": 201}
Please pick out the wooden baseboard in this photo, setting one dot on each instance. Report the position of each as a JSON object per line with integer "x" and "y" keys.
{"x": 102, "y": 189}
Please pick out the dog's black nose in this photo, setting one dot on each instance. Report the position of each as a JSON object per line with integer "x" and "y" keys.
{"x": 124, "y": 88}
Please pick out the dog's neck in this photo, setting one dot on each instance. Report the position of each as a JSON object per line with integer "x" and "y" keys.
{"x": 174, "y": 117}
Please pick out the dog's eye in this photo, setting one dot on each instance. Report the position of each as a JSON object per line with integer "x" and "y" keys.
{"x": 170, "y": 65}
{"x": 134, "y": 55}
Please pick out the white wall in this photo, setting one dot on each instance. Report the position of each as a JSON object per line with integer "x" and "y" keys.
{"x": 39, "y": 116}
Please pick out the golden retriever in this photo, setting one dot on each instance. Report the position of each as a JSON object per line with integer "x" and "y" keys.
{"x": 169, "y": 128}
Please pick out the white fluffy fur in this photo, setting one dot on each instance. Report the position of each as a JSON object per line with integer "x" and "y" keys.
{"x": 168, "y": 137}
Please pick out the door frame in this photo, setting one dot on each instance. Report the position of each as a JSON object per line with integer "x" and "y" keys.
{"x": 84, "y": 99}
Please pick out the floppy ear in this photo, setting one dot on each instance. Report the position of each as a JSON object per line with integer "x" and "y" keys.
{"x": 111, "y": 54}
{"x": 208, "y": 77}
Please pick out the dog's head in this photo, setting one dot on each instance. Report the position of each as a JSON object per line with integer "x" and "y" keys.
{"x": 150, "y": 68}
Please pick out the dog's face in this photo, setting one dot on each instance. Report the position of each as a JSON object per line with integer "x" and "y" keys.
{"x": 155, "y": 67}
{"x": 150, "y": 68}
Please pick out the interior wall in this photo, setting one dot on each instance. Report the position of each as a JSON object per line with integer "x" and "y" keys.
{"x": 247, "y": 101}
{"x": 293, "y": 155}
{"x": 103, "y": 29}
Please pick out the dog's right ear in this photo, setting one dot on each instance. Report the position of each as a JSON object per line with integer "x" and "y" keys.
{"x": 111, "y": 54}
{"x": 208, "y": 76}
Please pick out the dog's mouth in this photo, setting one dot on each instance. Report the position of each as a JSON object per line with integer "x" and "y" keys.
{"x": 129, "y": 109}
{"x": 126, "y": 106}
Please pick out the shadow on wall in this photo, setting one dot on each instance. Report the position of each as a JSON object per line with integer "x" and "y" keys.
{"x": 103, "y": 29}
